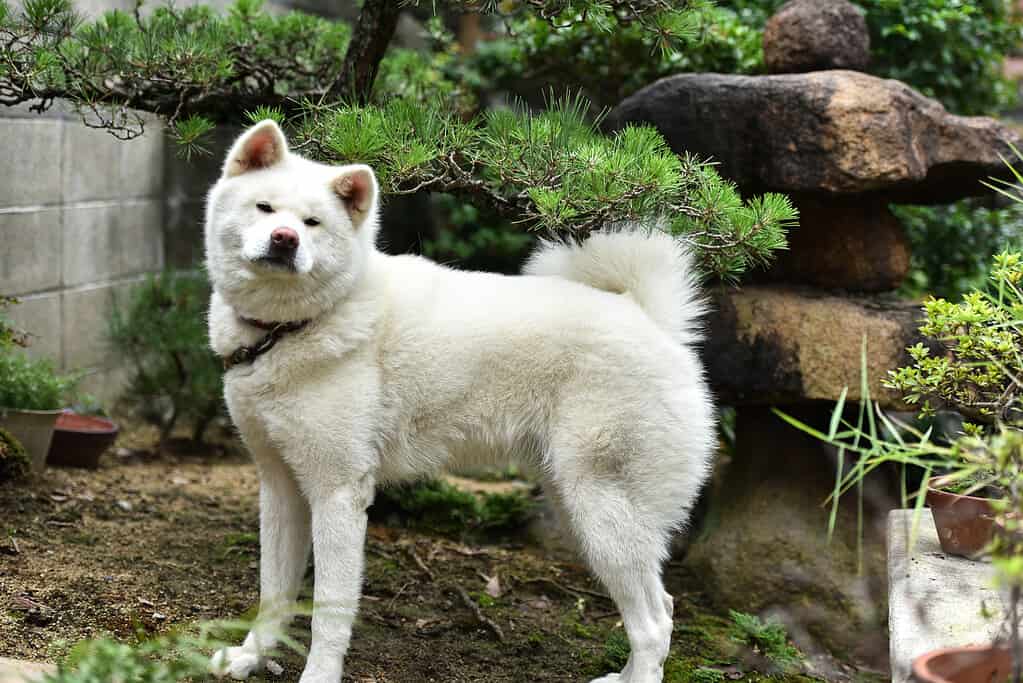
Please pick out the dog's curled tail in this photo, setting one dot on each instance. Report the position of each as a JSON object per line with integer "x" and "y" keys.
{"x": 644, "y": 262}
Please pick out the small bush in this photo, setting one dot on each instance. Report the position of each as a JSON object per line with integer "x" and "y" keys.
{"x": 14, "y": 462}
{"x": 767, "y": 638}
{"x": 33, "y": 384}
{"x": 161, "y": 333}
{"x": 982, "y": 341}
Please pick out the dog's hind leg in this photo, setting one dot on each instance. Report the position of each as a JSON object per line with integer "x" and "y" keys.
{"x": 625, "y": 543}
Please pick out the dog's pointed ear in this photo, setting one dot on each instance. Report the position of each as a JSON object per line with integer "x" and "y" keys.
{"x": 261, "y": 146}
{"x": 356, "y": 185}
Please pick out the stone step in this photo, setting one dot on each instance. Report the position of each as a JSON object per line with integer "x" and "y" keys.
{"x": 934, "y": 600}
{"x": 22, "y": 671}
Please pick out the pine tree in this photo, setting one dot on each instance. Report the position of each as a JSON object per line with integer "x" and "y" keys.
{"x": 347, "y": 95}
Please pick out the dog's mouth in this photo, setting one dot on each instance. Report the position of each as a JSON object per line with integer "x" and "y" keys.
{"x": 276, "y": 263}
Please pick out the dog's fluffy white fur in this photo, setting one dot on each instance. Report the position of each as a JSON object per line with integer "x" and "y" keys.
{"x": 583, "y": 366}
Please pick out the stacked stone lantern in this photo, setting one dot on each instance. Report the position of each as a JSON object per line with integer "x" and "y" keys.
{"x": 843, "y": 145}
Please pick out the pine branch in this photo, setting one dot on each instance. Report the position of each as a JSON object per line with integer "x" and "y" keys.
{"x": 402, "y": 113}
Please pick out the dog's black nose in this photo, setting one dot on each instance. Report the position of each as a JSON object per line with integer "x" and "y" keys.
{"x": 283, "y": 242}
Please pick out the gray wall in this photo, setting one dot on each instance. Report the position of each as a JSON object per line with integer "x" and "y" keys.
{"x": 81, "y": 219}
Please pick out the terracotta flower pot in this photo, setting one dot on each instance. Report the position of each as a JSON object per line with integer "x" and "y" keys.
{"x": 965, "y": 524}
{"x": 970, "y": 664}
{"x": 34, "y": 429}
{"x": 79, "y": 440}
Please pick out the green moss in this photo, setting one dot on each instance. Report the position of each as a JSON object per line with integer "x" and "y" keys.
{"x": 767, "y": 638}
{"x": 14, "y": 462}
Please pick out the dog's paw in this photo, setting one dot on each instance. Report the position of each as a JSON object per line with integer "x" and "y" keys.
{"x": 610, "y": 678}
{"x": 237, "y": 662}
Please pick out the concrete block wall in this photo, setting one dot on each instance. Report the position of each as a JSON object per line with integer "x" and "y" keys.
{"x": 81, "y": 220}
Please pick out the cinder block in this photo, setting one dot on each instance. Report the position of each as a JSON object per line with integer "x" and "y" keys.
{"x": 142, "y": 162}
{"x": 91, "y": 244}
{"x": 183, "y": 234}
{"x": 40, "y": 316}
{"x": 31, "y": 172}
{"x": 140, "y": 236}
{"x": 91, "y": 164}
{"x": 30, "y": 257}
{"x": 85, "y": 315}
{"x": 111, "y": 241}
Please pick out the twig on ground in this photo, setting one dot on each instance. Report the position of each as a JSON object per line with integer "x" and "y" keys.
{"x": 568, "y": 590}
{"x": 419, "y": 563}
{"x": 480, "y": 617}
{"x": 390, "y": 605}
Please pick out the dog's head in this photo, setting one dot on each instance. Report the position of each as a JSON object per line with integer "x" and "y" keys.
{"x": 287, "y": 238}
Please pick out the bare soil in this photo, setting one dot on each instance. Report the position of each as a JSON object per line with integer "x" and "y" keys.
{"x": 148, "y": 542}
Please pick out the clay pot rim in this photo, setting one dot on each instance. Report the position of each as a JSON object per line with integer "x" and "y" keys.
{"x": 921, "y": 662}
{"x": 104, "y": 425}
{"x": 934, "y": 483}
{"x": 4, "y": 410}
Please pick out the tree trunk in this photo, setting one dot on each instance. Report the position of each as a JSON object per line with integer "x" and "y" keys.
{"x": 372, "y": 34}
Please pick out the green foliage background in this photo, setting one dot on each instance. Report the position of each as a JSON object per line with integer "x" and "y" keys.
{"x": 161, "y": 334}
{"x": 948, "y": 49}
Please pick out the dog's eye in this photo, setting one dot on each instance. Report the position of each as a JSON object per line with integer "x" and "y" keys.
{"x": 265, "y": 207}
{"x": 312, "y": 222}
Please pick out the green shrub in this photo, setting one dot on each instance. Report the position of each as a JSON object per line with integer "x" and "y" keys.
{"x": 161, "y": 333}
{"x": 953, "y": 245}
{"x": 33, "y": 384}
{"x": 948, "y": 49}
{"x": 981, "y": 340}
{"x": 14, "y": 462}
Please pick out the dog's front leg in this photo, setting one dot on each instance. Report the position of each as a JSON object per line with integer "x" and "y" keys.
{"x": 284, "y": 540}
{"x": 339, "y": 534}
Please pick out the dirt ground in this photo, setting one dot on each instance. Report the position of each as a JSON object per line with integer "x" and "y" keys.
{"x": 151, "y": 541}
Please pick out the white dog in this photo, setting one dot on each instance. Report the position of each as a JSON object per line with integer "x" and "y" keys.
{"x": 349, "y": 368}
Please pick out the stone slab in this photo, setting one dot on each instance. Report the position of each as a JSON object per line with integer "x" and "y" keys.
{"x": 826, "y": 132}
{"x": 782, "y": 345}
{"x": 21, "y": 671}
{"x": 935, "y": 600}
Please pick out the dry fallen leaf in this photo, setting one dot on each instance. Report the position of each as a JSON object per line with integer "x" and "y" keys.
{"x": 493, "y": 588}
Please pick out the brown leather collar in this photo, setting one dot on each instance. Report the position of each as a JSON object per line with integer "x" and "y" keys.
{"x": 275, "y": 330}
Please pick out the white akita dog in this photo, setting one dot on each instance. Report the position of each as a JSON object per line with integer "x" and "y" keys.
{"x": 387, "y": 368}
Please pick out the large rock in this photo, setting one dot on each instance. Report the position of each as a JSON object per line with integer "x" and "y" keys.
{"x": 832, "y": 132}
{"x": 777, "y": 345}
{"x": 839, "y": 244}
{"x": 811, "y": 35}
{"x": 764, "y": 546}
